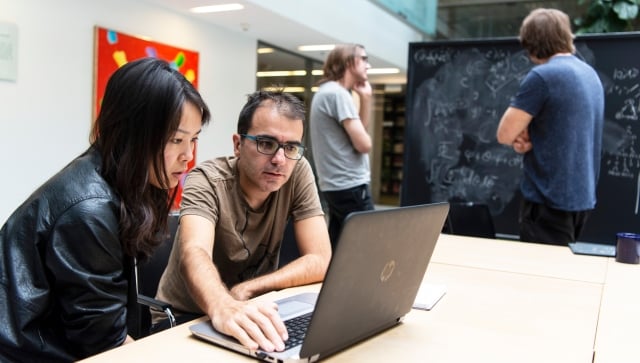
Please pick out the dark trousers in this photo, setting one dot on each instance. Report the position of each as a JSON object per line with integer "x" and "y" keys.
{"x": 542, "y": 224}
{"x": 343, "y": 202}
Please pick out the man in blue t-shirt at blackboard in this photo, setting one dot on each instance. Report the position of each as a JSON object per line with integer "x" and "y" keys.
{"x": 556, "y": 121}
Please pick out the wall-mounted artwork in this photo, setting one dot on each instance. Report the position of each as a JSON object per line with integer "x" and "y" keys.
{"x": 114, "y": 49}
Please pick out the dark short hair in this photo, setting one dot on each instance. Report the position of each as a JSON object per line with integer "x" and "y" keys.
{"x": 545, "y": 32}
{"x": 287, "y": 105}
{"x": 140, "y": 112}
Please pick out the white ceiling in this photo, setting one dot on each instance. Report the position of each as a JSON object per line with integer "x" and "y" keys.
{"x": 253, "y": 20}
{"x": 290, "y": 23}
{"x": 288, "y": 32}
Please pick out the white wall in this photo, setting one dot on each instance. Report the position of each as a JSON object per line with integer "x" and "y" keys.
{"x": 45, "y": 115}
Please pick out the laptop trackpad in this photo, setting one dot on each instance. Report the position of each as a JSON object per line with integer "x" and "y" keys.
{"x": 297, "y": 305}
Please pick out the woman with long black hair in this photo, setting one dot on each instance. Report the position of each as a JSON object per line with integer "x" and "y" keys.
{"x": 67, "y": 254}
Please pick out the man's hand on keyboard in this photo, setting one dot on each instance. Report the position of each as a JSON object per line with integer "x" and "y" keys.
{"x": 254, "y": 324}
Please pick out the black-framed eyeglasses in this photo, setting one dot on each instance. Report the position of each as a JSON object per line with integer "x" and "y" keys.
{"x": 269, "y": 146}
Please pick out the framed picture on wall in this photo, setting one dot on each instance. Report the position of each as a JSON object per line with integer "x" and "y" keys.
{"x": 114, "y": 49}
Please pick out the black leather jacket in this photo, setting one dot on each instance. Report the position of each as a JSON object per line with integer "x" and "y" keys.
{"x": 64, "y": 280}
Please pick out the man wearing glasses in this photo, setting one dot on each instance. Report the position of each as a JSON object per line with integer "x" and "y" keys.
{"x": 339, "y": 136}
{"x": 232, "y": 221}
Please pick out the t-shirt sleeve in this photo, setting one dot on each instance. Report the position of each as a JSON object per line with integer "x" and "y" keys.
{"x": 532, "y": 94}
{"x": 199, "y": 196}
{"x": 344, "y": 106}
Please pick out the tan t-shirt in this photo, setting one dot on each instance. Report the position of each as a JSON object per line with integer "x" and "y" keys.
{"x": 247, "y": 241}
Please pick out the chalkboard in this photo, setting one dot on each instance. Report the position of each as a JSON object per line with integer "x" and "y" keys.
{"x": 457, "y": 92}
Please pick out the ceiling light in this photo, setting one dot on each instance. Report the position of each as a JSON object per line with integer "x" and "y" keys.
{"x": 289, "y": 89}
{"x": 316, "y": 48}
{"x": 281, "y": 73}
{"x": 284, "y": 89}
{"x": 383, "y": 71}
{"x": 216, "y": 8}
{"x": 265, "y": 50}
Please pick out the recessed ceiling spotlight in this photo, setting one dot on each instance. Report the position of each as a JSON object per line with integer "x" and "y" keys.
{"x": 281, "y": 73}
{"x": 216, "y": 8}
{"x": 383, "y": 71}
{"x": 316, "y": 48}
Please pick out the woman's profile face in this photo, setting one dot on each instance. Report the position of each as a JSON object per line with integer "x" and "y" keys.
{"x": 178, "y": 152}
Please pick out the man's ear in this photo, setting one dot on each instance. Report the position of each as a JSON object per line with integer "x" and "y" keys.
{"x": 237, "y": 139}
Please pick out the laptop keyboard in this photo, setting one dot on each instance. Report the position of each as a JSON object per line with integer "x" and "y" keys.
{"x": 297, "y": 329}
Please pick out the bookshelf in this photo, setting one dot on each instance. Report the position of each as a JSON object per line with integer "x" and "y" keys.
{"x": 392, "y": 147}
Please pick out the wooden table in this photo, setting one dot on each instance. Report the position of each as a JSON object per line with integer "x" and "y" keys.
{"x": 506, "y": 301}
{"x": 618, "y": 335}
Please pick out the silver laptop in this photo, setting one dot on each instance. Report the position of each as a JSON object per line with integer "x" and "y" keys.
{"x": 372, "y": 282}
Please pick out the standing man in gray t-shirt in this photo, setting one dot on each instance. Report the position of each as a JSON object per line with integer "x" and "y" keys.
{"x": 339, "y": 137}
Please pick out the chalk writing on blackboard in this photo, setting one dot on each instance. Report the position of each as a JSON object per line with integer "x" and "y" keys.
{"x": 621, "y": 158}
{"x": 459, "y": 106}
{"x": 625, "y": 83}
{"x": 625, "y": 161}
{"x": 457, "y": 93}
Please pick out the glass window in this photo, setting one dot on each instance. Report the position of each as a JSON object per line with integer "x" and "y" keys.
{"x": 281, "y": 69}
